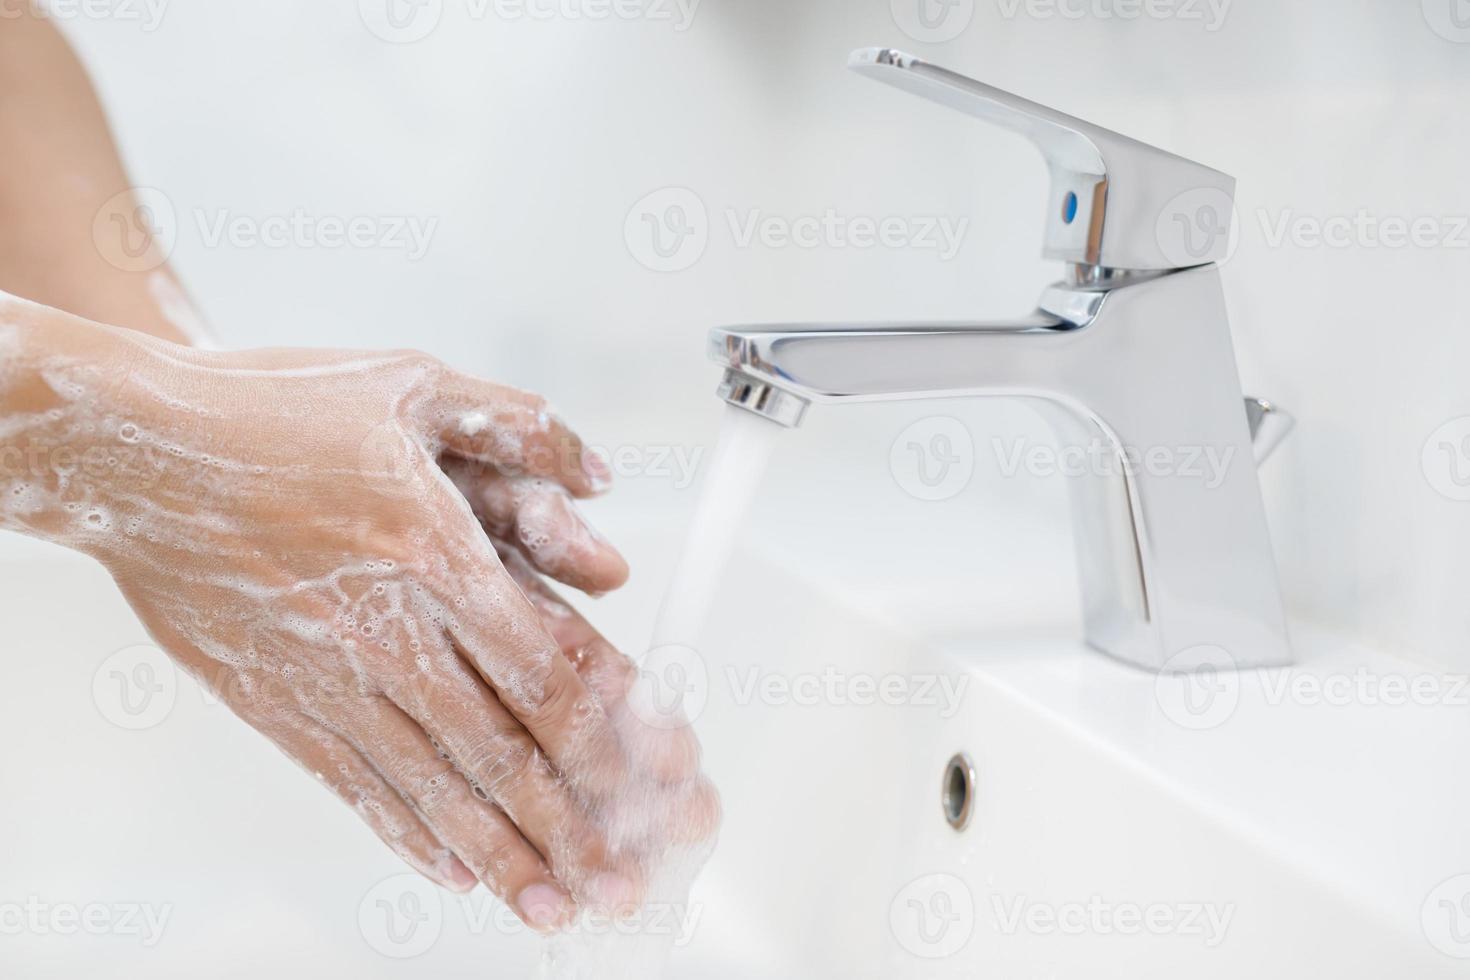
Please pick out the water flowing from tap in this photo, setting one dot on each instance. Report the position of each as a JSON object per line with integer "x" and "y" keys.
{"x": 727, "y": 491}
{"x": 639, "y": 949}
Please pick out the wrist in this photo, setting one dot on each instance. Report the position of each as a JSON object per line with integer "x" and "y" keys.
{"x": 69, "y": 434}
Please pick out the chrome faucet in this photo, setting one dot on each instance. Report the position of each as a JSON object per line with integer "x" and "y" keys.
{"x": 1130, "y": 353}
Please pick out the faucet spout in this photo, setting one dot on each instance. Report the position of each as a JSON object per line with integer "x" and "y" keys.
{"x": 879, "y": 362}
{"x": 1173, "y": 549}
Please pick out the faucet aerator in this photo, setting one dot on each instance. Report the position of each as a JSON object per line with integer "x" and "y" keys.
{"x": 763, "y": 399}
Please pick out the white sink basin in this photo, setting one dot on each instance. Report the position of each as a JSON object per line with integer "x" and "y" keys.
{"x": 1114, "y": 833}
{"x": 1289, "y": 839}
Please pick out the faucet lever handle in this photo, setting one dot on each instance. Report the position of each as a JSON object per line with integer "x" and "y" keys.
{"x": 1115, "y": 202}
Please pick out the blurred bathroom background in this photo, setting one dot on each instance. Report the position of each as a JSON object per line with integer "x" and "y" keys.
{"x": 528, "y": 133}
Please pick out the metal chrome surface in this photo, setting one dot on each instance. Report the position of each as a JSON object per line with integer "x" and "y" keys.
{"x": 765, "y": 400}
{"x": 1176, "y": 567}
{"x": 1134, "y": 206}
{"x": 1132, "y": 364}
{"x": 958, "y": 793}
{"x": 1269, "y": 426}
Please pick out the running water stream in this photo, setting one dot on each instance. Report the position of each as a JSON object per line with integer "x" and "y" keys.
{"x": 726, "y": 493}
{"x": 639, "y": 950}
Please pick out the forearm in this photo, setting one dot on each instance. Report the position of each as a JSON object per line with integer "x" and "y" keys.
{"x": 65, "y": 384}
{"x": 65, "y": 200}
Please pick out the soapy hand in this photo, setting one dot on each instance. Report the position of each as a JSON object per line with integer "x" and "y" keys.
{"x": 309, "y": 533}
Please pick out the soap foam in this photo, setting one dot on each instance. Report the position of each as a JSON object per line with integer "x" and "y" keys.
{"x": 233, "y": 506}
{"x": 312, "y": 585}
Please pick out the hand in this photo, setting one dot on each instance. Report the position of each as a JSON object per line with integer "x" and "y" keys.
{"x": 282, "y": 524}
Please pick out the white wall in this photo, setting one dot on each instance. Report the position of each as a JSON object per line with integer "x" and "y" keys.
{"x": 529, "y": 141}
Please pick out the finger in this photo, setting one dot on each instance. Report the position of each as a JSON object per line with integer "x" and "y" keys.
{"x": 684, "y": 806}
{"x": 660, "y": 817}
{"x": 346, "y": 773}
{"x": 680, "y": 805}
{"x": 697, "y": 813}
{"x": 514, "y": 431}
{"x": 540, "y": 518}
{"x": 479, "y": 832}
{"x": 671, "y": 754}
{"x": 567, "y": 627}
{"x": 498, "y": 632}
{"x": 501, "y": 759}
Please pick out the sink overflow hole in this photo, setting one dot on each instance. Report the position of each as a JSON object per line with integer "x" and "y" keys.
{"x": 959, "y": 791}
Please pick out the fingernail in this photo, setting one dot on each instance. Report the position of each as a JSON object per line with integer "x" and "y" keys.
{"x": 461, "y": 878}
{"x": 611, "y": 890}
{"x": 543, "y": 906}
{"x": 595, "y": 468}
